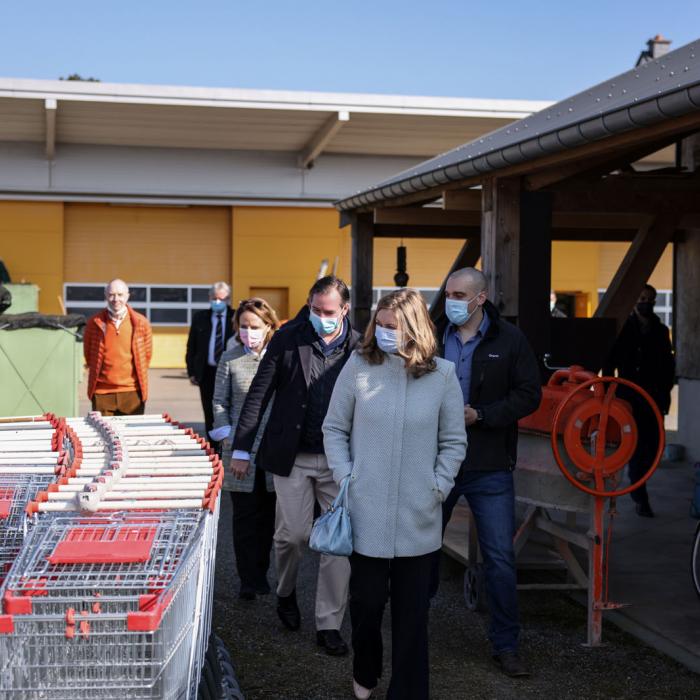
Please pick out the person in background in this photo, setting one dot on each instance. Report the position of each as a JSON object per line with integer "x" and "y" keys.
{"x": 395, "y": 428}
{"x": 643, "y": 354}
{"x": 501, "y": 383}
{"x": 209, "y": 334}
{"x": 117, "y": 344}
{"x": 299, "y": 369}
{"x": 252, "y": 491}
{"x": 554, "y": 308}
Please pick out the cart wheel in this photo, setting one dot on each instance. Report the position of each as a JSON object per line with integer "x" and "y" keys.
{"x": 218, "y": 680}
{"x": 474, "y": 587}
{"x": 695, "y": 561}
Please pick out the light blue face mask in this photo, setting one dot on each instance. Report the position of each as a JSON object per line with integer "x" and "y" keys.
{"x": 387, "y": 339}
{"x": 457, "y": 311}
{"x": 217, "y": 306}
{"x": 324, "y": 326}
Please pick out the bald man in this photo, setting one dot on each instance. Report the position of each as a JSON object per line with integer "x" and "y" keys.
{"x": 117, "y": 345}
{"x": 501, "y": 383}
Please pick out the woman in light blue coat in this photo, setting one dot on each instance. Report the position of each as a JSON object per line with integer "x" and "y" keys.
{"x": 395, "y": 428}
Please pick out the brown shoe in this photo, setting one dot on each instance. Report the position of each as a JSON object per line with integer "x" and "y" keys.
{"x": 511, "y": 664}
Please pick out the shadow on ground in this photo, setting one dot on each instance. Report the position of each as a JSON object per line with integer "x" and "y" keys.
{"x": 273, "y": 663}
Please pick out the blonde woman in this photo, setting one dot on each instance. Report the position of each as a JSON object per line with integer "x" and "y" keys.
{"x": 395, "y": 428}
{"x": 252, "y": 491}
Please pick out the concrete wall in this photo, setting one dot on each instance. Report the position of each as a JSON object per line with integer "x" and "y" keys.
{"x": 183, "y": 172}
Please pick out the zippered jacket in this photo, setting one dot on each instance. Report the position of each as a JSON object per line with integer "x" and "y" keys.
{"x": 506, "y": 385}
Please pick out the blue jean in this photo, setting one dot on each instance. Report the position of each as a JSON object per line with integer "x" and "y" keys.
{"x": 491, "y": 498}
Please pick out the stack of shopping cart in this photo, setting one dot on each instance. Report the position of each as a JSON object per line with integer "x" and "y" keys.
{"x": 110, "y": 593}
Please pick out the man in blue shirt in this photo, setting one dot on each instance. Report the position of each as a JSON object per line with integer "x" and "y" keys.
{"x": 501, "y": 383}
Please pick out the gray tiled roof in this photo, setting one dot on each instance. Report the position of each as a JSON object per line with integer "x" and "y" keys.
{"x": 652, "y": 92}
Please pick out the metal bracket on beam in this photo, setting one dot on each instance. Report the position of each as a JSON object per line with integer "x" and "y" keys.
{"x": 322, "y": 138}
{"x": 50, "y": 108}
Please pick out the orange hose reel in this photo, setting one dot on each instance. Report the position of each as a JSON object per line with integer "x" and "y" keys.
{"x": 591, "y": 426}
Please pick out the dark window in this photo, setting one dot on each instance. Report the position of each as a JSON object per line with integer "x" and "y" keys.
{"x": 137, "y": 294}
{"x": 429, "y": 295}
{"x": 141, "y": 310}
{"x": 169, "y": 315}
{"x": 200, "y": 296}
{"x": 177, "y": 295}
{"x": 85, "y": 293}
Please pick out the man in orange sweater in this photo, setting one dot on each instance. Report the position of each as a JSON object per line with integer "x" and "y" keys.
{"x": 117, "y": 346}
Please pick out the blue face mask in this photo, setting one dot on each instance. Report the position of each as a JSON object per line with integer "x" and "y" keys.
{"x": 324, "y": 326}
{"x": 217, "y": 306}
{"x": 387, "y": 339}
{"x": 457, "y": 311}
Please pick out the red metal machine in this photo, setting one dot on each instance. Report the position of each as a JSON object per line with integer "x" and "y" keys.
{"x": 593, "y": 436}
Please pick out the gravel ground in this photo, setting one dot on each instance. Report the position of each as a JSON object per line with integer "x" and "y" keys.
{"x": 273, "y": 663}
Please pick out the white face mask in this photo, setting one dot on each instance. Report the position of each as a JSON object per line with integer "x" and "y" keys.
{"x": 252, "y": 337}
{"x": 387, "y": 339}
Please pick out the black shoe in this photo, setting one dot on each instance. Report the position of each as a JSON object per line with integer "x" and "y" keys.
{"x": 288, "y": 611}
{"x": 332, "y": 642}
{"x": 644, "y": 510}
{"x": 246, "y": 593}
{"x": 262, "y": 588}
{"x": 509, "y": 662}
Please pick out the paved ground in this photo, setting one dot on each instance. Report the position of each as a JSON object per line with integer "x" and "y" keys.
{"x": 650, "y": 570}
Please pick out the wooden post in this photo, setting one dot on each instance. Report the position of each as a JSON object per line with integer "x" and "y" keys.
{"x": 500, "y": 242}
{"x": 535, "y": 270}
{"x": 636, "y": 267}
{"x": 362, "y": 270}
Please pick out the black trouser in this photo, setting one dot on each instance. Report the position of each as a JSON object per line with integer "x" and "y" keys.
{"x": 647, "y": 444}
{"x": 253, "y": 527}
{"x": 206, "y": 393}
{"x": 409, "y": 579}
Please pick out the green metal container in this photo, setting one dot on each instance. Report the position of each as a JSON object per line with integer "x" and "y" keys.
{"x": 25, "y": 298}
{"x": 39, "y": 371}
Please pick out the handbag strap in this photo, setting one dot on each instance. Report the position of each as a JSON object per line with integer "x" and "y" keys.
{"x": 342, "y": 497}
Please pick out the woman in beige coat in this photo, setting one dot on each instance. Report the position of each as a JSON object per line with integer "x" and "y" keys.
{"x": 395, "y": 428}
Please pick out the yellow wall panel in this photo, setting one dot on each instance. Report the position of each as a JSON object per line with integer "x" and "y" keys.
{"x": 283, "y": 247}
{"x": 575, "y": 269}
{"x": 169, "y": 346}
{"x": 427, "y": 260}
{"x": 155, "y": 245}
{"x": 31, "y": 245}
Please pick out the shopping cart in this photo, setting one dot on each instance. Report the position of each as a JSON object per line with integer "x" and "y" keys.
{"x": 110, "y": 595}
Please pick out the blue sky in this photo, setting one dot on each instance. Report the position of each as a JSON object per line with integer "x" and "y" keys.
{"x": 500, "y": 48}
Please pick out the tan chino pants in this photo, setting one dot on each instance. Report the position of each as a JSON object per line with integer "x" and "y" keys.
{"x": 309, "y": 480}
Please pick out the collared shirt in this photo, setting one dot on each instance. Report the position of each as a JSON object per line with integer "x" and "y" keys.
{"x": 463, "y": 353}
{"x": 215, "y": 318}
{"x": 117, "y": 319}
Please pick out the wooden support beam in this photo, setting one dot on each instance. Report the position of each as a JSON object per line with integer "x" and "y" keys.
{"x": 50, "y": 108}
{"x": 632, "y": 194}
{"x": 500, "y": 242}
{"x": 535, "y": 271}
{"x": 462, "y": 200}
{"x": 636, "y": 267}
{"x": 468, "y": 256}
{"x": 322, "y": 138}
{"x": 362, "y": 271}
{"x": 426, "y": 216}
{"x": 394, "y": 231}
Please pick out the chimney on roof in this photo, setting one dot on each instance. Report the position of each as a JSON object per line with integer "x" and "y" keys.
{"x": 656, "y": 48}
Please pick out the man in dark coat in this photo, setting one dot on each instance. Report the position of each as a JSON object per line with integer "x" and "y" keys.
{"x": 297, "y": 376}
{"x": 501, "y": 383}
{"x": 643, "y": 354}
{"x": 210, "y": 331}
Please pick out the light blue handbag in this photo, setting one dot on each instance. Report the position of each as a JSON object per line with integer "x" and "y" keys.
{"x": 332, "y": 532}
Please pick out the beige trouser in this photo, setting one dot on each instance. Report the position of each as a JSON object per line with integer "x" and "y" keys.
{"x": 309, "y": 480}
